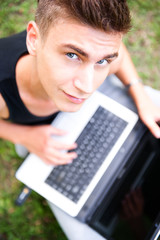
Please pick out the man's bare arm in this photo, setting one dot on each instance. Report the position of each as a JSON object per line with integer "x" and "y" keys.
{"x": 38, "y": 140}
{"x": 126, "y": 72}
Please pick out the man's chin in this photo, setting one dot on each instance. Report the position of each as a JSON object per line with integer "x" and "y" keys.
{"x": 73, "y": 108}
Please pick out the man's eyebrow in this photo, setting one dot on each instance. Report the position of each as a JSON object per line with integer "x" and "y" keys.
{"x": 113, "y": 55}
{"x": 83, "y": 53}
{"x": 80, "y": 51}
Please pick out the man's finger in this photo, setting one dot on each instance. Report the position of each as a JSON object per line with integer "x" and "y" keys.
{"x": 154, "y": 128}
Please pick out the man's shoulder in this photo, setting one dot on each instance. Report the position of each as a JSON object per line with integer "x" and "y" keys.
{"x": 11, "y": 48}
{"x": 18, "y": 35}
{"x": 9, "y": 41}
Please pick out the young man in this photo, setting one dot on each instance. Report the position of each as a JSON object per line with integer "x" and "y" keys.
{"x": 70, "y": 49}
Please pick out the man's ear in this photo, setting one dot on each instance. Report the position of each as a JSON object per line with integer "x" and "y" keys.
{"x": 32, "y": 38}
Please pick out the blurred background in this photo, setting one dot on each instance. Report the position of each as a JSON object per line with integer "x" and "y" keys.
{"x": 34, "y": 220}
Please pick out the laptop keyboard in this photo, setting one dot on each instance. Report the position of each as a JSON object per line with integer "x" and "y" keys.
{"x": 94, "y": 144}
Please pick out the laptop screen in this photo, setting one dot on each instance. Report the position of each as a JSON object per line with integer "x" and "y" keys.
{"x": 135, "y": 204}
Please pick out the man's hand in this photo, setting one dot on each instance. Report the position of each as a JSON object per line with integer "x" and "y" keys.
{"x": 150, "y": 115}
{"x": 39, "y": 140}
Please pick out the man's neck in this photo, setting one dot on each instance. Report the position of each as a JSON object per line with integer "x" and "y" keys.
{"x": 30, "y": 89}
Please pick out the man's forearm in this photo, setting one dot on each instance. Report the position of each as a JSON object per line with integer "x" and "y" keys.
{"x": 127, "y": 74}
{"x": 12, "y": 132}
{"x": 126, "y": 71}
{"x": 148, "y": 112}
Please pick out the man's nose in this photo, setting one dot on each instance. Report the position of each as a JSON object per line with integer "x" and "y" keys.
{"x": 85, "y": 80}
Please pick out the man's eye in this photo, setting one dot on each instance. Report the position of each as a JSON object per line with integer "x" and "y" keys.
{"x": 102, "y": 62}
{"x": 72, "y": 55}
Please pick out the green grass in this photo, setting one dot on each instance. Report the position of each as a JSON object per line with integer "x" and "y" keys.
{"x": 34, "y": 220}
{"x": 14, "y": 15}
{"x": 31, "y": 221}
{"x": 144, "y": 38}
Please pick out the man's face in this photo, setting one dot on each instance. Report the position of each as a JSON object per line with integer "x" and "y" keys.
{"x": 73, "y": 61}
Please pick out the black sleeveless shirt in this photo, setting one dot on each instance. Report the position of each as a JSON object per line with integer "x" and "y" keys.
{"x": 11, "y": 49}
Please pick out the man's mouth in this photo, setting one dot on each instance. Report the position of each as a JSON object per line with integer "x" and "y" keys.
{"x": 75, "y": 99}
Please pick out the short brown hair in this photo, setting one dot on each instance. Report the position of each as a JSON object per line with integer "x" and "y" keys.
{"x": 107, "y": 15}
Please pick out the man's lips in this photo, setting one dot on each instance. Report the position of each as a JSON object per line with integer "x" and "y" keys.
{"x": 74, "y": 99}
